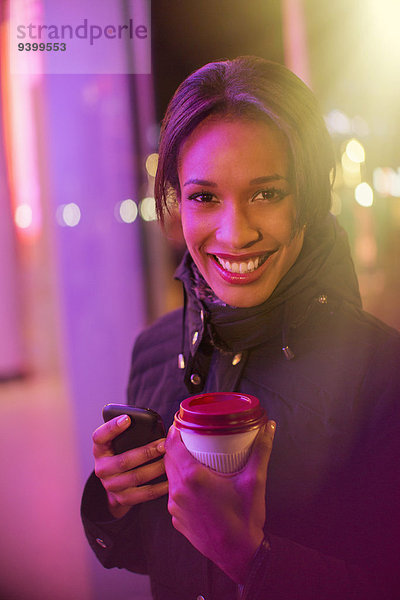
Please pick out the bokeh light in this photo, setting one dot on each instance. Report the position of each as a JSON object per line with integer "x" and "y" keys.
{"x": 128, "y": 210}
{"x": 23, "y": 216}
{"x": 338, "y": 122}
{"x": 364, "y": 194}
{"x": 151, "y": 164}
{"x": 386, "y": 181}
{"x": 68, "y": 214}
{"x": 351, "y": 171}
{"x": 355, "y": 151}
{"x": 147, "y": 209}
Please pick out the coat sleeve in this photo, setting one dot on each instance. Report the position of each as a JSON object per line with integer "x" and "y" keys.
{"x": 370, "y": 504}
{"x": 283, "y": 570}
{"x": 116, "y": 542}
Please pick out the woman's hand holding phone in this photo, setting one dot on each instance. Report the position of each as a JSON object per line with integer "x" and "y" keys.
{"x": 126, "y": 477}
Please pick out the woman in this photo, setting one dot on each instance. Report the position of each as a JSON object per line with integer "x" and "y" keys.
{"x": 272, "y": 308}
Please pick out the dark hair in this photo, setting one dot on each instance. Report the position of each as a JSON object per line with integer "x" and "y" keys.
{"x": 251, "y": 87}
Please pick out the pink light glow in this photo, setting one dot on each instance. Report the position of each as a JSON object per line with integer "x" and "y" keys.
{"x": 21, "y": 138}
{"x": 294, "y": 39}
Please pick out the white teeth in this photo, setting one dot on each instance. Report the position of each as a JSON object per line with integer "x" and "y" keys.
{"x": 240, "y": 267}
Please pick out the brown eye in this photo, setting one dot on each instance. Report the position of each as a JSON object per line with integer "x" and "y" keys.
{"x": 202, "y": 197}
{"x": 270, "y": 195}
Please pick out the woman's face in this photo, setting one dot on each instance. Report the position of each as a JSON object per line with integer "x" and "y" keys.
{"x": 237, "y": 207}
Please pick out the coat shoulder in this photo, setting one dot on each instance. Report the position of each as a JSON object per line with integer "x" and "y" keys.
{"x": 155, "y": 380}
{"x": 159, "y": 341}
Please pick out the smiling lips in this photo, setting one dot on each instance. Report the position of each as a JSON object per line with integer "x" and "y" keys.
{"x": 246, "y": 270}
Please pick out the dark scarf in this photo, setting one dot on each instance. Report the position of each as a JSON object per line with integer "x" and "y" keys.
{"x": 324, "y": 267}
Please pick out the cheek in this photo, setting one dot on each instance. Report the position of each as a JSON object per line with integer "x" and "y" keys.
{"x": 195, "y": 229}
{"x": 281, "y": 227}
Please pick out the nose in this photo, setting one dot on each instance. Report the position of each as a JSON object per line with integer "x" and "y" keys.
{"x": 235, "y": 230}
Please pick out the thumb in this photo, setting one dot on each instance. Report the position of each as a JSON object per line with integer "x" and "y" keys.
{"x": 175, "y": 446}
{"x": 262, "y": 447}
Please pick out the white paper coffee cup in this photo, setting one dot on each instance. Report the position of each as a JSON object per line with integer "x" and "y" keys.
{"x": 219, "y": 428}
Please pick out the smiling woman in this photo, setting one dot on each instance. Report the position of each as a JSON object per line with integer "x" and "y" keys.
{"x": 271, "y": 309}
{"x": 237, "y": 207}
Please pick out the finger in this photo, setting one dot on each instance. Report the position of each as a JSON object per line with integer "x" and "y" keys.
{"x": 172, "y": 435}
{"x": 174, "y": 444}
{"x": 262, "y": 447}
{"x": 177, "y": 456}
{"x": 103, "y": 435}
{"x": 107, "y": 466}
{"x": 135, "y": 477}
{"x": 137, "y": 495}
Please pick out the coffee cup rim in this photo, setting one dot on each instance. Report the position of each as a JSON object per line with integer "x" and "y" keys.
{"x": 224, "y": 421}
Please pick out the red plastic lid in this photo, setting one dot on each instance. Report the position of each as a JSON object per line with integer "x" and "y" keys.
{"x": 220, "y": 412}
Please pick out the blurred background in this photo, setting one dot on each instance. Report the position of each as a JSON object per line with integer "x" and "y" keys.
{"x": 84, "y": 265}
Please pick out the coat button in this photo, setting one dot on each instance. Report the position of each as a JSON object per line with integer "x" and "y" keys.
{"x": 195, "y": 337}
{"x": 289, "y": 355}
{"x": 202, "y": 315}
{"x": 195, "y": 379}
{"x": 237, "y": 358}
{"x": 323, "y": 299}
{"x": 101, "y": 543}
{"x": 200, "y": 598}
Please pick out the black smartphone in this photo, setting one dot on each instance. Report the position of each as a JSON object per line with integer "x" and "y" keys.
{"x": 146, "y": 426}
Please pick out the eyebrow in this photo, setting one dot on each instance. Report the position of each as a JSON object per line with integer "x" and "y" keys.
{"x": 256, "y": 181}
{"x": 200, "y": 182}
{"x": 268, "y": 178}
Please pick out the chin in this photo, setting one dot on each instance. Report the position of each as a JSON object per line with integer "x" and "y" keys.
{"x": 243, "y": 299}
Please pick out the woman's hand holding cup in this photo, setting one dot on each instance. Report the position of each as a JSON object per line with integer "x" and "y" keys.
{"x": 126, "y": 477}
{"x": 222, "y": 515}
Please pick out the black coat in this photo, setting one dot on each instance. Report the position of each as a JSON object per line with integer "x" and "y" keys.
{"x": 333, "y": 489}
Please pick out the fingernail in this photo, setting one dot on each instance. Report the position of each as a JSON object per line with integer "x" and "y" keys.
{"x": 161, "y": 446}
{"x": 122, "y": 420}
{"x": 272, "y": 425}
